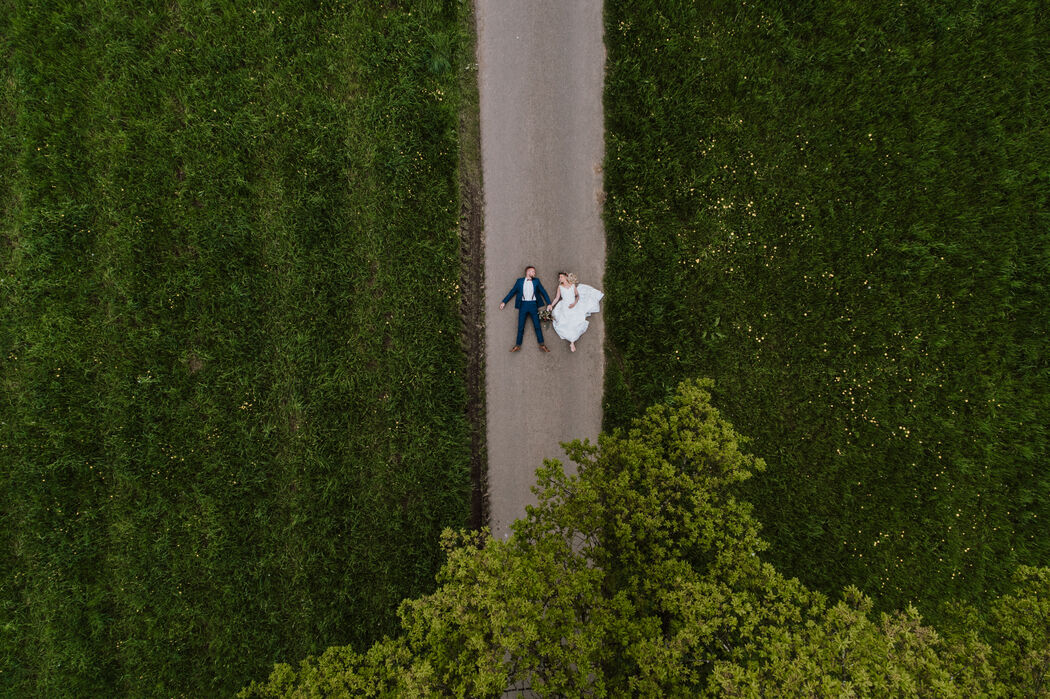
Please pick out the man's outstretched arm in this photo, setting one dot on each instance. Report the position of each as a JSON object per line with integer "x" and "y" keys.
{"x": 509, "y": 295}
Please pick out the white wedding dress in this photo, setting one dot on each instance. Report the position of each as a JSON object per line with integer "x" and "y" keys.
{"x": 570, "y": 323}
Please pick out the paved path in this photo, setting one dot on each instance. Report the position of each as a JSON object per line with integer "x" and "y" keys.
{"x": 541, "y": 70}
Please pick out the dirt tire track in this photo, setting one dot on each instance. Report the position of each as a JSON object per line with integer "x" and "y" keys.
{"x": 472, "y": 267}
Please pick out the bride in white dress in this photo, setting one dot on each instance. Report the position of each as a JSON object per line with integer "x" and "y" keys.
{"x": 571, "y": 306}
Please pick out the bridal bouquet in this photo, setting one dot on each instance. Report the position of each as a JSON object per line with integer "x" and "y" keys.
{"x": 544, "y": 314}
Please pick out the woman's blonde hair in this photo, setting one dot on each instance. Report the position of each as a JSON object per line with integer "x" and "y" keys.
{"x": 573, "y": 279}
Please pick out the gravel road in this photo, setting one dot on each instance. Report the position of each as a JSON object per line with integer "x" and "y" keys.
{"x": 541, "y": 70}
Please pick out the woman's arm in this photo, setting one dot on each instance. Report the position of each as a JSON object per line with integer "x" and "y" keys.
{"x": 571, "y": 305}
{"x": 557, "y": 297}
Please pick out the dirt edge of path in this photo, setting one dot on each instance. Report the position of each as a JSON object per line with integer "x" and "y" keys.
{"x": 472, "y": 261}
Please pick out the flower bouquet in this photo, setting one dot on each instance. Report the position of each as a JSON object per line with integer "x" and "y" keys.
{"x": 544, "y": 314}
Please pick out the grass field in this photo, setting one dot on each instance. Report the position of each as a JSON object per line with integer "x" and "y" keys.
{"x": 232, "y": 422}
{"x": 839, "y": 211}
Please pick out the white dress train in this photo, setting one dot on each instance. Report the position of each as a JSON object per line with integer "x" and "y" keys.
{"x": 570, "y": 323}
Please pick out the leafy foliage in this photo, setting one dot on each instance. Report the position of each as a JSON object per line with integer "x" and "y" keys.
{"x": 232, "y": 418}
{"x": 640, "y": 576}
{"x": 839, "y": 211}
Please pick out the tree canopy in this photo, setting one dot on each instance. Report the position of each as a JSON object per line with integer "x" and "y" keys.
{"x": 641, "y": 575}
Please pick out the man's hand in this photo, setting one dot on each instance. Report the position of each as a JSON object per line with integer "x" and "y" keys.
{"x": 501, "y": 306}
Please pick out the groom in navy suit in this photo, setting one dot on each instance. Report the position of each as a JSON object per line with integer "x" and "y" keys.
{"x": 525, "y": 292}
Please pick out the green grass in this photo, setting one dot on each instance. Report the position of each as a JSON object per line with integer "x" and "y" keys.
{"x": 232, "y": 421}
{"x": 839, "y": 211}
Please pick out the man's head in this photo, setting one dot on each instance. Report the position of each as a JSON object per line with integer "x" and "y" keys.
{"x": 530, "y": 272}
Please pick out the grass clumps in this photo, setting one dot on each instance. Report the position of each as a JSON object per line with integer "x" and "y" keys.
{"x": 838, "y": 210}
{"x": 232, "y": 423}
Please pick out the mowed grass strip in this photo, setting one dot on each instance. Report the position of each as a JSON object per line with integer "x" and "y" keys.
{"x": 839, "y": 211}
{"x": 232, "y": 421}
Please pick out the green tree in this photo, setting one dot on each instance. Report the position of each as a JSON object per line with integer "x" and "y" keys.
{"x": 641, "y": 576}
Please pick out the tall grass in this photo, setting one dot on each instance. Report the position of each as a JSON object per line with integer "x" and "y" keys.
{"x": 839, "y": 211}
{"x": 232, "y": 424}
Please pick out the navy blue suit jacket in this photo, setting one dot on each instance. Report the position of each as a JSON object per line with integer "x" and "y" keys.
{"x": 519, "y": 289}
